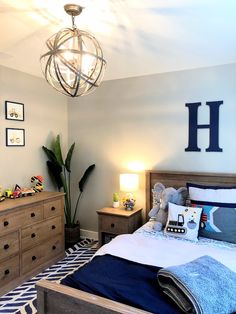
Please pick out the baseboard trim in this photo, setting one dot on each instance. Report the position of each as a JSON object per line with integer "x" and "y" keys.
{"x": 88, "y": 234}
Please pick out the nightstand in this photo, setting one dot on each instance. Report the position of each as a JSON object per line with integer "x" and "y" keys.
{"x": 115, "y": 221}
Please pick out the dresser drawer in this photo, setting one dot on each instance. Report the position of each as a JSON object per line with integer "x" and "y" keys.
{"x": 40, "y": 232}
{"x": 21, "y": 218}
{"x": 53, "y": 208}
{"x": 113, "y": 224}
{"x": 41, "y": 253}
{"x": 9, "y": 270}
{"x": 9, "y": 245}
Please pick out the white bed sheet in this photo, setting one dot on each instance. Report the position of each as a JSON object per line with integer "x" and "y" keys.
{"x": 149, "y": 247}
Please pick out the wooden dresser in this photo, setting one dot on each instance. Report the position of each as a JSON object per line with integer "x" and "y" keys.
{"x": 31, "y": 236}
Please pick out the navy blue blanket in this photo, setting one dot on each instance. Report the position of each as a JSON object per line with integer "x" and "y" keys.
{"x": 123, "y": 281}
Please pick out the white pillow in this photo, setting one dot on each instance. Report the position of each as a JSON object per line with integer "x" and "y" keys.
{"x": 216, "y": 194}
{"x": 183, "y": 222}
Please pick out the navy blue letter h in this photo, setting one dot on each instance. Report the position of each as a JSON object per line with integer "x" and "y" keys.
{"x": 213, "y": 127}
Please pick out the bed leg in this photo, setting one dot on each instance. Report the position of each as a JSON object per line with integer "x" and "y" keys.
{"x": 41, "y": 296}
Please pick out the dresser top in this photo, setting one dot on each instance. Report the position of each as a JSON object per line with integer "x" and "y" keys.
{"x": 28, "y": 200}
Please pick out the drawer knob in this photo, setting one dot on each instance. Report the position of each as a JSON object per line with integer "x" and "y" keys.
{"x": 7, "y": 272}
{"x": 112, "y": 225}
{"x": 53, "y": 227}
{"x": 53, "y": 208}
{"x": 32, "y": 215}
{"x": 34, "y": 258}
{"x": 33, "y": 235}
{"x": 6, "y": 246}
{"x": 54, "y": 247}
{"x": 6, "y": 223}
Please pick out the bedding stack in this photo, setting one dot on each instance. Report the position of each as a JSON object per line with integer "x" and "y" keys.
{"x": 196, "y": 287}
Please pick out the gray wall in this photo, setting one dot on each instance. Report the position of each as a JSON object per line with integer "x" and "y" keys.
{"x": 45, "y": 116}
{"x": 140, "y": 119}
{"x": 145, "y": 119}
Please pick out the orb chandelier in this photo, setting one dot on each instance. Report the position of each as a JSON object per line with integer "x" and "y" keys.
{"x": 74, "y": 63}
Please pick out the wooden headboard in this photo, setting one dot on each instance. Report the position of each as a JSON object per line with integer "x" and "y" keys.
{"x": 178, "y": 179}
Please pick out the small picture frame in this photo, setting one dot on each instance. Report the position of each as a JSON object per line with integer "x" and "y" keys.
{"x": 15, "y": 137}
{"x": 14, "y": 111}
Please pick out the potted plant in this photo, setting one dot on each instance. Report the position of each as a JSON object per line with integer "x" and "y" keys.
{"x": 116, "y": 202}
{"x": 60, "y": 171}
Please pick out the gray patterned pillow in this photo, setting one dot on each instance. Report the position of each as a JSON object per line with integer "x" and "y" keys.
{"x": 218, "y": 219}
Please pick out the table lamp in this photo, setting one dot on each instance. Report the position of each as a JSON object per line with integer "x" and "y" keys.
{"x": 129, "y": 183}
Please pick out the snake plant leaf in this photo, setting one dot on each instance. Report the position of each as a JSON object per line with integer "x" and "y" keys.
{"x": 57, "y": 150}
{"x": 68, "y": 157}
{"x": 55, "y": 170}
{"x": 85, "y": 177}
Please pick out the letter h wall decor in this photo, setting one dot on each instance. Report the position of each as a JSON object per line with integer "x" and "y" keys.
{"x": 213, "y": 126}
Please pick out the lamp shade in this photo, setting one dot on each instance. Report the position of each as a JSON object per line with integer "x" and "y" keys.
{"x": 129, "y": 182}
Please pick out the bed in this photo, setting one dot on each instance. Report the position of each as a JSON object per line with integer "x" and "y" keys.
{"x": 57, "y": 298}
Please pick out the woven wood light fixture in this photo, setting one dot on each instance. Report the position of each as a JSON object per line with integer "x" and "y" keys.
{"x": 74, "y": 63}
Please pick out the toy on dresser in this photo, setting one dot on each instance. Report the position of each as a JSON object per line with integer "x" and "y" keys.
{"x": 19, "y": 192}
{"x": 37, "y": 186}
{"x": 37, "y": 183}
{"x": 2, "y": 197}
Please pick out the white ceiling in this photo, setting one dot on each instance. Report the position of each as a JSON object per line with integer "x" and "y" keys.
{"x": 138, "y": 37}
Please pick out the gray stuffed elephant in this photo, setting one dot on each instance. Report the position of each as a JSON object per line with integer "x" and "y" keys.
{"x": 161, "y": 197}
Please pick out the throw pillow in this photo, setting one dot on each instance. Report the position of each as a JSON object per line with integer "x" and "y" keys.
{"x": 183, "y": 222}
{"x": 219, "y": 211}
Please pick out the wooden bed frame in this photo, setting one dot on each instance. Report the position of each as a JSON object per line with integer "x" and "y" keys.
{"x": 53, "y": 298}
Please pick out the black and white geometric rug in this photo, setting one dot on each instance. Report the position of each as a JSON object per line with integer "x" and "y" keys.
{"x": 22, "y": 300}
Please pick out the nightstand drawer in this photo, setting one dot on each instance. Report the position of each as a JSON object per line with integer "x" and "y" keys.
{"x": 52, "y": 208}
{"x": 40, "y": 254}
{"x": 38, "y": 233}
{"x": 9, "y": 270}
{"x": 113, "y": 224}
{"x": 9, "y": 245}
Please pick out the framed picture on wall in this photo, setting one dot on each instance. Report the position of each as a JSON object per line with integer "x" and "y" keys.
{"x": 15, "y": 137}
{"x": 14, "y": 110}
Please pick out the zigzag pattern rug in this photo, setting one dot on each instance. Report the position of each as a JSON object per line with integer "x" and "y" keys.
{"x": 22, "y": 300}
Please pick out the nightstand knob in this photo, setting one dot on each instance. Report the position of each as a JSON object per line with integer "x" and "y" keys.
{"x": 53, "y": 227}
{"x": 112, "y": 225}
{"x": 53, "y": 208}
{"x": 34, "y": 258}
{"x": 6, "y": 223}
{"x": 32, "y": 215}
{"x": 7, "y": 272}
{"x": 54, "y": 247}
{"x": 33, "y": 235}
{"x": 6, "y": 246}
